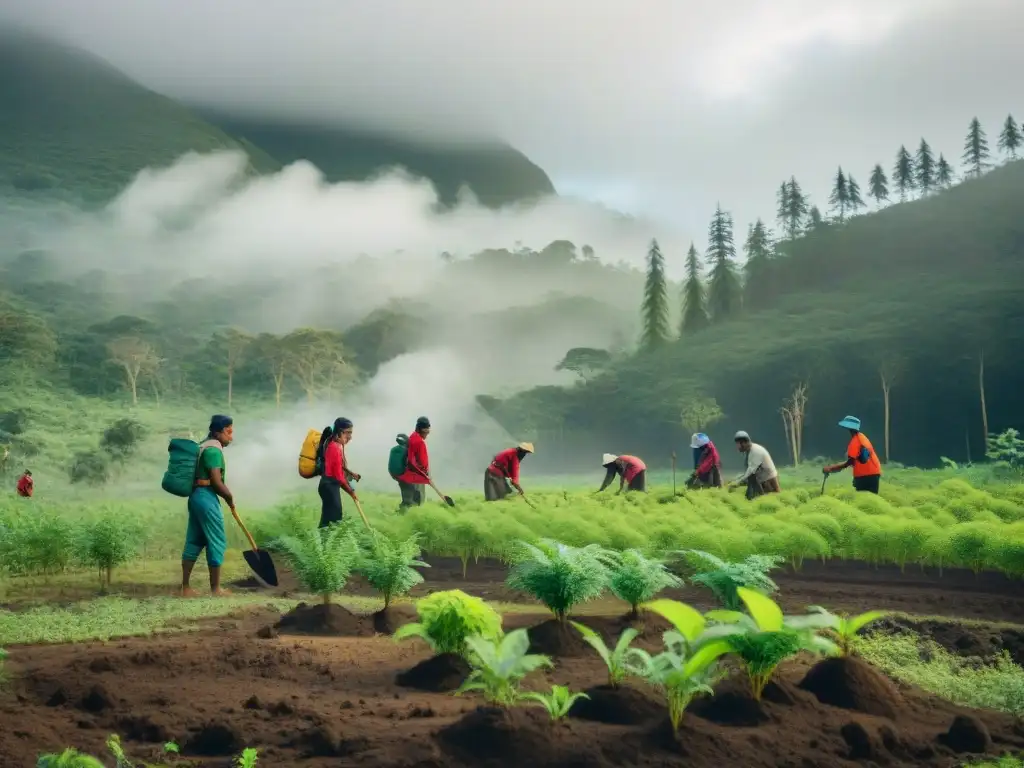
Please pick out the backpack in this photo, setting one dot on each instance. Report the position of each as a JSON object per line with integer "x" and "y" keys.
{"x": 398, "y": 460}
{"x": 311, "y": 457}
{"x": 182, "y": 465}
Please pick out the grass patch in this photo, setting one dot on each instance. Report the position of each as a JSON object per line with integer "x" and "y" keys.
{"x": 1002, "y": 762}
{"x": 921, "y": 662}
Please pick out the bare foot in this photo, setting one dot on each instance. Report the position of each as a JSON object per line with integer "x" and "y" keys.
{"x": 188, "y": 592}
{"x": 221, "y": 592}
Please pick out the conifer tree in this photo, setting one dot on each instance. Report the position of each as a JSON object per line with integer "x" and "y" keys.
{"x": 1010, "y": 138}
{"x": 695, "y": 311}
{"x": 654, "y": 309}
{"x": 925, "y": 171}
{"x": 856, "y": 200}
{"x": 943, "y": 173}
{"x": 796, "y": 208}
{"x": 723, "y": 284}
{"x": 976, "y": 152}
{"x": 782, "y": 208}
{"x": 815, "y": 221}
{"x": 903, "y": 173}
{"x": 879, "y": 185}
{"x": 757, "y": 268}
{"x": 839, "y": 199}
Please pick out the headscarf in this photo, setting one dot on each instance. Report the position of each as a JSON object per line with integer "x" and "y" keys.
{"x": 422, "y": 423}
{"x": 219, "y": 423}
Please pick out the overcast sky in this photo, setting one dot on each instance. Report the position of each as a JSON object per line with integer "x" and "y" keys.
{"x": 663, "y": 107}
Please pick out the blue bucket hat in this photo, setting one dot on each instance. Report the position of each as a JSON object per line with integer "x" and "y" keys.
{"x": 850, "y": 422}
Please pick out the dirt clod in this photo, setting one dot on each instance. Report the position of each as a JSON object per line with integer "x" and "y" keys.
{"x": 967, "y": 734}
{"x": 439, "y": 674}
{"x": 623, "y": 705}
{"x": 97, "y": 699}
{"x": 858, "y": 740}
{"x": 732, "y": 704}
{"x": 323, "y": 619}
{"x": 214, "y": 740}
{"x": 517, "y": 736}
{"x": 557, "y": 639}
{"x": 389, "y": 620}
{"x": 266, "y": 632}
{"x": 850, "y": 683}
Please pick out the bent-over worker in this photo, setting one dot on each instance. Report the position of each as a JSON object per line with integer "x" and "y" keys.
{"x": 503, "y": 470}
{"x": 759, "y": 474}
{"x": 417, "y": 465}
{"x": 860, "y": 454}
{"x": 631, "y": 471}
{"x": 707, "y": 472}
{"x": 26, "y": 485}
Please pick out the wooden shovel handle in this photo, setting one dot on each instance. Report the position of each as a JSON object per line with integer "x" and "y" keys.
{"x": 252, "y": 541}
{"x": 359, "y": 509}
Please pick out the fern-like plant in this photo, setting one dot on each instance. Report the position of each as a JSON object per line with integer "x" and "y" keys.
{"x": 389, "y": 565}
{"x": 561, "y": 576}
{"x": 69, "y": 758}
{"x": 616, "y": 659}
{"x": 448, "y": 618}
{"x": 557, "y": 703}
{"x": 499, "y": 665}
{"x": 322, "y": 558}
{"x": 724, "y": 578}
{"x": 636, "y": 578}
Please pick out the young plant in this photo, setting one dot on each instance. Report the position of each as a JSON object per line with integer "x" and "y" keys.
{"x": 322, "y": 558}
{"x": 636, "y": 579}
{"x": 557, "y": 703}
{"x": 248, "y": 758}
{"x": 725, "y": 578}
{"x": 765, "y": 638}
{"x": 500, "y": 665}
{"x": 617, "y": 659}
{"x": 69, "y": 758}
{"x": 561, "y": 576}
{"x": 389, "y": 565}
{"x": 448, "y": 618}
{"x": 107, "y": 543}
{"x": 844, "y": 627}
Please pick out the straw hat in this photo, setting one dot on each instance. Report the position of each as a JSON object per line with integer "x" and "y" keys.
{"x": 607, "y": 459}
{"x": 528, "y": 447}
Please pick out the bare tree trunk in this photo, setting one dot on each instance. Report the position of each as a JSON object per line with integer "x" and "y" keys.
{"x": 278, "y": 384}
{"x": 981, "y": 389}
{"x": 135, "y": 390}
{"x": 789, "y": 433}
{"x": 886, "y": 387}
{"x": 231, "y": 378}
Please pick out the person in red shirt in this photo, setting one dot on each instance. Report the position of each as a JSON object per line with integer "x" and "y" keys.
{"x": 860, "y": 454}
{"x": 504, "y": 469}
{"x": 630, "y": 470}
{"x": 417, "y": 465}
{"x": 708, "y": 472}
{"x": 26, "y": 485}
{"x": 336, "y": 474}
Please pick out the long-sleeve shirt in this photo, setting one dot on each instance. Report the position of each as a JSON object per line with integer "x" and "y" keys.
{"x": 630, "y": 467}
{"x": 335, "y": 466}
{"x": 418, "y": 469}
{"x": 709, "y": 459}
{"x": 25, "y": 486}
{"x": 506, "y": 464}
{"x": 759, "y": 464}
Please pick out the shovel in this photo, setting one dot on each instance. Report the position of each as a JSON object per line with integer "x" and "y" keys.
{"x": 823, "y": 481}
{"x": 359, "y": 509}
{"x": 257, "y": 559}
{"x": 446, "y": 499}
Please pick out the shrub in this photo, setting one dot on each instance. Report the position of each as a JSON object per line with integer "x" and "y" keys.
{"x": 636, "y": 579}
{"x": 389, "y": 565}
{"x": 122, "y": 437}
{"x": 447, "y": 618}
{"x": 107, "y": 543}
{"x": 89, "y": 467}
{"x": 561, "y": 576}
{"x": 322, "y": 558}
{"x": 725, "y": 578}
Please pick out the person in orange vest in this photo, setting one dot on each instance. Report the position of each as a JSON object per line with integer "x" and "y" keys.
{"x": 504, "y": 469}
{"x": 860, "y": 454}
{"x": 630, "y": 470}
{"x": 26, "y": 485}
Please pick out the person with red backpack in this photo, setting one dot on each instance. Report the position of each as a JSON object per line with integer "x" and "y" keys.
{"x": 26, "y": 485}
{"x": 335, "y": 475}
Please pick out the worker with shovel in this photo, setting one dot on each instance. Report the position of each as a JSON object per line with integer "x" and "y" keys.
{"x": 417, "y": 465}
{"x": 337, "y": 475}
{"x": 707, "y": 472}
{"x": 503, "y": 471}
{"x": 759, "y": 475}
{"x": 632, "y": 472}
{"x": 860, "y": 454}
{"x": 205, "y": 518}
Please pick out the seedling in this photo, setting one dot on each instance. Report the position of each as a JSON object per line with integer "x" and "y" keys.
{"x": 557, "y": 703}
{"x": 844, "y": 627}
{"x": 616, "y": 659}
{"x": 500, "y": 665}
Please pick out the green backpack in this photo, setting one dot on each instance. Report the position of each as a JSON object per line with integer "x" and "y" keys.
{"x": 398, "y": 460}
{"x": 182, "y": 463}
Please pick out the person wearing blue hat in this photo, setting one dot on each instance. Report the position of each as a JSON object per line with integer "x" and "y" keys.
{"x": 707, "y": 465}
{"x": 860, "y": 454}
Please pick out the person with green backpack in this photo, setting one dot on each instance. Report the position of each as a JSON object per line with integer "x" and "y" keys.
{"x": 398, "y": 458}
{"x": 205, "y": 518}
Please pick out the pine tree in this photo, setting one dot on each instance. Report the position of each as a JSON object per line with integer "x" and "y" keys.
{"x": 903, "y": 173}
{"x": 815, "y": 221}
{"x": 654, "y": 308}
{"x": 757, "y": 268}
{"x": 695, "y": 312}
{"x": 1010, "y": 138}
{"x": 796, "y": 209}
{"x": 925, "y": 170}
{"x": 856, "y": 200}
{"x": 976, "y": 152}
{"x": 943, "y": 173}
{"x": 723, "y": 283}
{"x": 782, "y": 208}
{"x": 879, "y": 191}
{"x": 839, "y": 199}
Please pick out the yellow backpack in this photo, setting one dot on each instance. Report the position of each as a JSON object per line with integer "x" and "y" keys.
{"x": 310, "y": 460}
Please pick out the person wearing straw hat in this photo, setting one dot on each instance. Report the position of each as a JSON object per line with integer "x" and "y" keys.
{"x": 707, "y": 464}
{"x": 860, "y": 454}
{"x": 502, "y": 475}
{"x": 632, "y": 472}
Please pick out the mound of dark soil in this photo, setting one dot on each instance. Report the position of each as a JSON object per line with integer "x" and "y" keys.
{"x": 554, "y": 638}
{"x": 143, "y": 728}
{"x": 323, "y": 619}
{"x": 97, "y": 699}
{"x": 387, "y": 621}
{"x": 438, "y": 674}
{"x": 619, "y": 706}
{"x": 850, "y": 683}
{"x": 967, "y": 734}
{"x": 732, "y": 704}
{"x": 214, "y": 740}
{"x": 517, "y": 736}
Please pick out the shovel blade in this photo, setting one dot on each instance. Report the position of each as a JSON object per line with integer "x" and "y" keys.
{"x": 449, "y": 501}
{"x": 262, "y": 565}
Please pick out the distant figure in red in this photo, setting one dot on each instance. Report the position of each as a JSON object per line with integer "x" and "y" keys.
{"x": 417, "y": 465}
{"x": 26, "y": 485}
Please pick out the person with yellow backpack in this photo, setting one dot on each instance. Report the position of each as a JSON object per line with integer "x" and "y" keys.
{"x": 335, "y": 476}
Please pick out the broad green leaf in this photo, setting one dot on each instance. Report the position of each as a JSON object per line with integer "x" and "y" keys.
{"x": 706, "y": 656}
{"x": 686, "y": 619}
{"x": 628, "y": 636}
{"x": 764, "y": 610}
{"x": 724, "y": 617}
{"x": 855, "y": 623}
